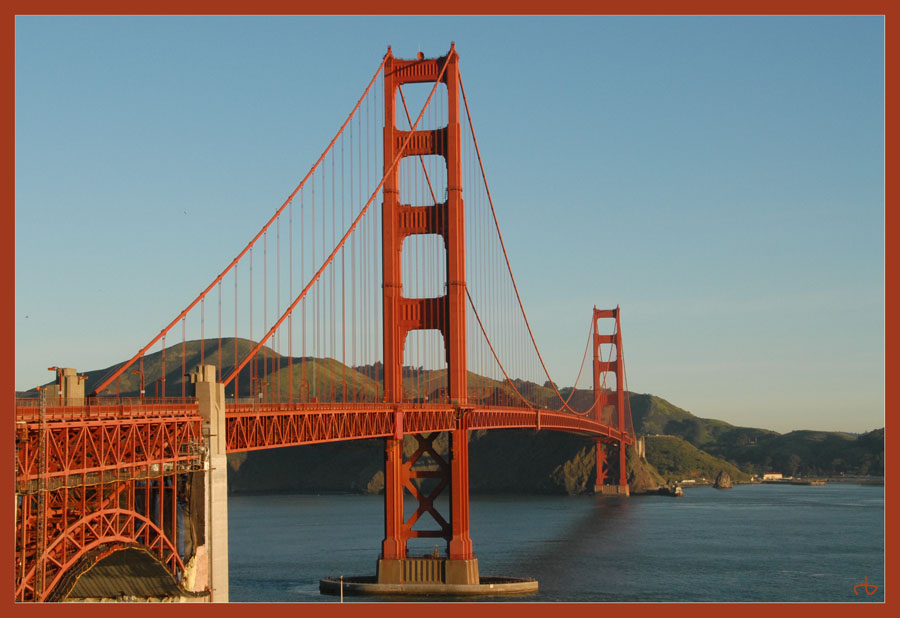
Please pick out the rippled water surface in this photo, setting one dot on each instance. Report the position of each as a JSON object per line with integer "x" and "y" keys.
{"x": 751, "y": 543}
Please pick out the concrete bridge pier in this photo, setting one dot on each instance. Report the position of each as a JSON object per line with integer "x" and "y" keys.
{"x": 209, "y": 566}
{"x": 68, "y": 390}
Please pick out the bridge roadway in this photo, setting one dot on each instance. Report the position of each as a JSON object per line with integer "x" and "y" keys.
{"x": 111, "y": 441}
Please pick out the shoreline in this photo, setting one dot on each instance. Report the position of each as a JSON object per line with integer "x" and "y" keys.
{"x": 873, "y": 481}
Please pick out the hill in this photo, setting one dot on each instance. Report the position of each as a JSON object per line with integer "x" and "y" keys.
{"x": 279, "y": 376}
{"x": 757, "y": 451}
{"x": 676, "y": 459}
{"x": 502, "y": 461}
{"x": 812, "y": 453}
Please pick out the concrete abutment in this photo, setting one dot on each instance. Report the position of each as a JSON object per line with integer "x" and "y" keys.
{"x": 208, "y": 568}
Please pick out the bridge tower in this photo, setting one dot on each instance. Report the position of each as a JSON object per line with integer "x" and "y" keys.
{"x": 604, "y": 397}
{"x": 446, "y": 313}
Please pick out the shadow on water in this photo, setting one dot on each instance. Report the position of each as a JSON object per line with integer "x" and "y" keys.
{"x": 597, "y": 535}
{"x": 603, "y": 520}
{"x": 554, "y": 539}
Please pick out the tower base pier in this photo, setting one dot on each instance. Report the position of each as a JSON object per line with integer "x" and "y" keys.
{"x": 428, "y": 576}
{"x": 486, "y": 586}
{"x": 612, "y": 490}
{"x": 428, "y": 570}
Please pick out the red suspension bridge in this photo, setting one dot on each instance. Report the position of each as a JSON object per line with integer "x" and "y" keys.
{"x": 377, "y": 302}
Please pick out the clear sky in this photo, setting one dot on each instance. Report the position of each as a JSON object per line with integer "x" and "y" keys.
{"x": 719, "y": 178}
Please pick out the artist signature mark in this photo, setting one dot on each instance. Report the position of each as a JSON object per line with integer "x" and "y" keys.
{"x": 865, "y": 586}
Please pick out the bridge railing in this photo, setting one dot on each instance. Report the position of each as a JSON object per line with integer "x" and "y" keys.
{"x": 29, "y": 409}
{"x": 266, "y": 407}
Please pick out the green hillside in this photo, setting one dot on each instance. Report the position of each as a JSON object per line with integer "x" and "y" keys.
{"x": 652, "y": 415}
{"x": 277, "y": 376}
{"x": 813, "y": 453}
{"x": 676, "y": 459}
{"x": 128, "y": 384}
{"x": 756, "y": 451}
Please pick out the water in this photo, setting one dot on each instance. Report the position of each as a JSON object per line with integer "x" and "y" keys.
{"x": 781, "y": 543}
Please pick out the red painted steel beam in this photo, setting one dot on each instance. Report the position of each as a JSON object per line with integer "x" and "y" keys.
{"x": 79, "y": 522}
{"x": 401, "y": 315}
{"x": 110, "y": 445}
{"x": 103, "y": 449}
{"x": 127, "y": 409}
{"x": 265, "y": 426}
{"x": 114, "y": 526}
{"x": 617, "y": 368}
{"x": 119, "y": 452}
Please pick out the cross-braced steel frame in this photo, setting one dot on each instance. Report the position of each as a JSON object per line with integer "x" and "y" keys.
{"x": 90, "y": 479}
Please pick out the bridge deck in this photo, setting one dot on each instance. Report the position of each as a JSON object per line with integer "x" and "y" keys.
{"x": 95, "y": 443}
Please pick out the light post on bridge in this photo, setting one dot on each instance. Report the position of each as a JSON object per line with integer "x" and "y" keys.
{"x": 141, "y": 373}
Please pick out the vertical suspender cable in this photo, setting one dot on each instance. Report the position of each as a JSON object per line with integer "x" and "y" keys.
{"x": 163, "y": 376}
{"x": 303, "y": 383}
{"x": 277, "y": 357}
{"x": 235, "y": 391}
{"x": 265, "y": 311}
{"x": 290, "y": 295}
{"x": 353, "y": 261}
{"x": 202, "y": 329}
{"x": 253, "y": 373}
{"x": 183, "y": 354}
{"x": 343, "y": 290}
{"x": 311, "y": 385}
{"x": 332, "y": 268}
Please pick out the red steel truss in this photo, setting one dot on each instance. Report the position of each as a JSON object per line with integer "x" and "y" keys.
{"x": 86, "y": 445}
{"x": 93, "y": 478}
{"x": 254, "y": 427}
{"x": 108, "y": 479}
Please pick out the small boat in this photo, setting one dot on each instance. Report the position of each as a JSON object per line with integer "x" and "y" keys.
{"x": 673, "y": 490}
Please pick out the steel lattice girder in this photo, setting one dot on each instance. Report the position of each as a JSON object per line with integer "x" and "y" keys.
{"x": 94, "y": 467}
{"x": 80, "y": 520}
{"x": 82, "y": 452}
{"x": 274, "y": 425}
{"x": 103, "y": 450}
{"x": 28, "y": 411}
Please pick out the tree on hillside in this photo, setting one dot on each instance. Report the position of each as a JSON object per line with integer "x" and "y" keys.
{"x": 794, "y": 465}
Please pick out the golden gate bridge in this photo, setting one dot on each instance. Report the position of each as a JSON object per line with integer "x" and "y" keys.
{"x": 377, "y": 302}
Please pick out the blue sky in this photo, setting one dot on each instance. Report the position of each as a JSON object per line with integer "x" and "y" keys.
{"x": 719, "y": 178}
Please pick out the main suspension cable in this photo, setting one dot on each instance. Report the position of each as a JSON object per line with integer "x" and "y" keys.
{"x": 344, "y": 238}
{"x": 105, "y": 382}
{"x": 503, "y": 245}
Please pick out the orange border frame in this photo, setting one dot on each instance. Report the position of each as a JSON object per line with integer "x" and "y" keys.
{"x": 471, "y": 7}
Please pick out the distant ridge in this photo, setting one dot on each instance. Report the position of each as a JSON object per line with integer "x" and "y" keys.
{"x": 517, "y": 461}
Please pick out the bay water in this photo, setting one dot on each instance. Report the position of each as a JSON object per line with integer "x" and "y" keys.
{"x": 766, "y": 543}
